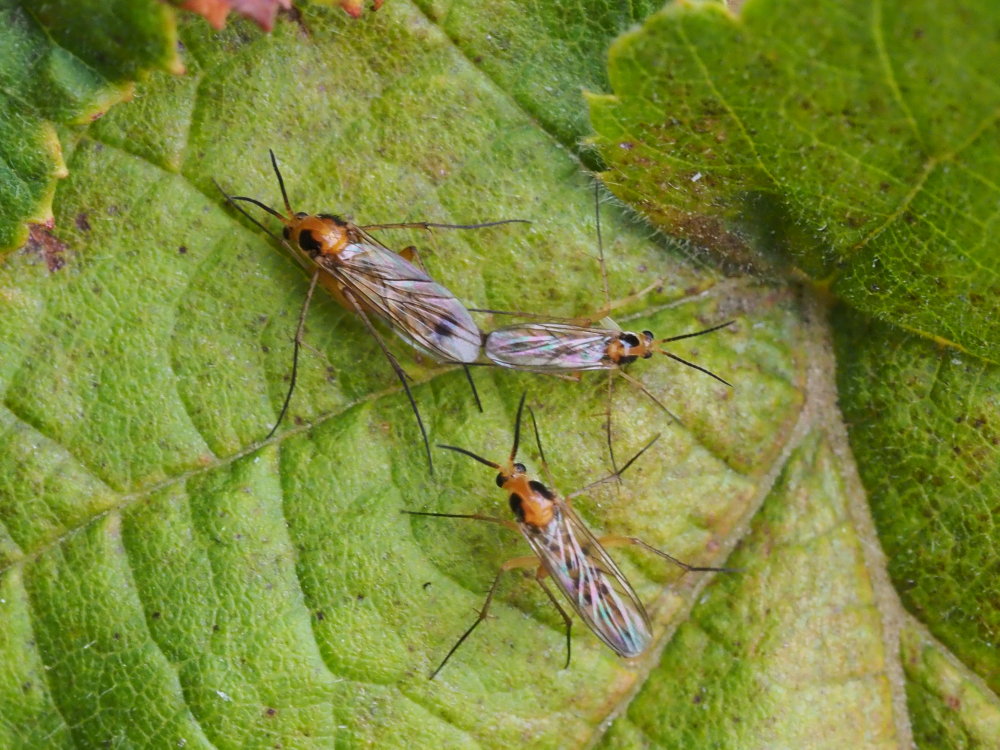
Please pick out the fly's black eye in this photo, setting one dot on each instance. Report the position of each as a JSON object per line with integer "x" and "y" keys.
{"x": 500, "y": 480}
{"x": 630, "y": 338}
{"x": 519, "y": 468}
{"x": 516, "y": 502}
{"x": 301, "y": 215}
{"x": 308, "y": 242}
{"x": 286, "y": 232}
{"x": 649, "y": 336}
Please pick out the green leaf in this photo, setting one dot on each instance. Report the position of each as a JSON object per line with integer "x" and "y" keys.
{"x": 853, "y": 145}
{"x": 543, "y": 57}
{"x": 65, "y": 63}
{"x": 746, "y": 669}
{"x": 858, "y": 140}
{"x": 949, "y": 708}
{"x": 166, "y": 578}
{"x": 934, "y": 486}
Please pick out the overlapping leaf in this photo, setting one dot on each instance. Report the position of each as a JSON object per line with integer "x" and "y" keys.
{"x": 166, "y": 579}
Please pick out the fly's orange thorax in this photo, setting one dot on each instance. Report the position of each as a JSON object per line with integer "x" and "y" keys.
{"x": 318, "y": 234}
{"x": 531, "y": 501}
{"x": 627, "y": 347}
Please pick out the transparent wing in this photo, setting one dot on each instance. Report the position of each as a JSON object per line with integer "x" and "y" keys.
{"x": 591, "y": 581}
{"x": 418, "y": 308}
{"x": 549, "y": 347}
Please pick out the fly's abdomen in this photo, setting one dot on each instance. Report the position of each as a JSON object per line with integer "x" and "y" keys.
{"x": 547, "y": 347}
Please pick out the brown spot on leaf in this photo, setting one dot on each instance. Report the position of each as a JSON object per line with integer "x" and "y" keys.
{"x": 262, "y": 12}
{"x": 81, "y": 222}
{"x": 42, "y": 242}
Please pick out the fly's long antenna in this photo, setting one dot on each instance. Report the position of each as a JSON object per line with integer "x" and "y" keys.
{"x": 699, "y": 368}
{"x": 470, "y": 454}
{"x": 692, "y": 364}
{"x": 281, "y": 182}
{"x": 697, "y": 333}
{"x": 541, "y": 453}
{"x": 517, "y": 427}
{"x": 231, "y": 199}
{"x": 257, "y": 203}
{"x": 538, "y": 438}
{"x": 432, "y": 225}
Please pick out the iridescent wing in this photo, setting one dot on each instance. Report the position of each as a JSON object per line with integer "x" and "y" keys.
{"x": 549, "y": 347}
{"x": 589, "y": 578}
{"x": 419, "y": 309}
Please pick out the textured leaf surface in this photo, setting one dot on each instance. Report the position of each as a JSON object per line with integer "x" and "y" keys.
{"x": 858, "y": 139}
{"x": 65, "y": 63}
{"x": 934, "y": 485}
{"x": 855, "y": 143}
{"x": 166, "y": 579}
{"x": 814, "y": 652}
{"x": 170, "y": 579}
{"x": 950, "y": 708}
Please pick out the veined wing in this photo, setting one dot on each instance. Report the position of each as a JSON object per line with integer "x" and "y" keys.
{"x": 418, "y": 308}
{"x": 549, "y": 347}
{"x": 589, "y": 578}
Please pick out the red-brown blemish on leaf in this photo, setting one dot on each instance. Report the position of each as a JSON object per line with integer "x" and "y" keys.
{"x": 43, "y": 243}
{"x": 354, "y": 8}
{"x": 953, "y": 702}
{"x": 262, "y": 12}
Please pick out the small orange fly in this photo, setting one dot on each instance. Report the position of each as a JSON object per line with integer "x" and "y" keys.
{"x": 369, "y": 279}
{"x": 568, "y": 552}
{"x": 571, "y": 347}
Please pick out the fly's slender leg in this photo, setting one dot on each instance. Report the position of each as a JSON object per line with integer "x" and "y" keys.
{"x": 616, "y": 475}
{"x": 517, "y": 562}
{"x": 472, "y": 385}
{"x": 296, "y": 347}
{"x": 471, "y": 516}
{"x": 411, "y": 254}
{"x": 400, "y": 373}
{"x": 607, "y": 423}
{"x": 653, "y": 398}
{"x": 539, "y": 575}
{"x": 620, "y": 541}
